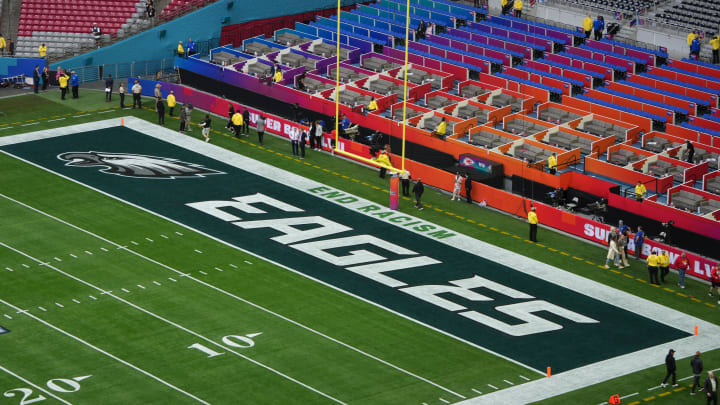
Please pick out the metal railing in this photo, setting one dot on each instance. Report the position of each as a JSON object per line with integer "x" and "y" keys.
{"x": 151, "y": 69}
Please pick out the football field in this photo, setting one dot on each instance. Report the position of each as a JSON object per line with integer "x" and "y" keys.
{"x": 142, "y": 266}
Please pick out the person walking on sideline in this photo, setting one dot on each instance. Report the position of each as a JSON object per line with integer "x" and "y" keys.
{"x": 715, "y": 280}
{"x": 205, "y": 124}
{"x": 671, "y": 369}
{"x": 246, "y": 121}
{"x": 45, "y": 76}
{"x": 171, "y": 102}
{"x": 622, "y": 246}
{"x": 384, "y": 159}
{"x": 183, "y": 118}
{"x": 121, "y": 92}
{"x": 63, "y": 81}
{"x": 294, "y": 142}
{"x": 468, "y": 188}
{"x": 697, "y": 367}
{"x": 405, "y": 183}
{"x": 663, "y": 265}
{"x": 237, "y": 122}
{"x": 136, "y": 93}
{"x": 36, "y": 79}
{"x": 75, "y": 81}
{"x": 260, "y": 128}
{"x": 109, "y": 83}
{"x": 711, "y": 388}
{"x": 639, "y": 240}
{"x": 160, "y": 109}
{"x": 533, "y": 221}
{"x": 418, "y": 190}
{"x": 457, "y": 187}
{"x": 652, "y": 263}
{"x": 682, "y": 267}
{"x": 613, "y": 253}
{"x": 301, "y": 142}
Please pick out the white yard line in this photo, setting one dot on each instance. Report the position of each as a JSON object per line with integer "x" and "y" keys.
{"x": 254, "y": 305}
{"x": 169, "y": 322}
{"x": 37, "y": 387}
{"x": 48, "y": 324}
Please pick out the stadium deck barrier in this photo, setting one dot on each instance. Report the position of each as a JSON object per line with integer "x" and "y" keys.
{"x": 648, "y": 57}
{"x": 458, "y": 73}
{"x": 706, "y": 177}
{"x": 526, "y": 50}
{"x": 446, "y": 83}
{"x": 705, "y": 123}
{"x": 570, "y": 74}
{"x": 713, "y": 85}
{"x": 704, "y": 100}
{"x": 688, "y": 106}
{"x": 621, "y": 117}
{"x": 694, "y": 68}
{"x": 692, "y": 135}
{"x": 657, "y": 112}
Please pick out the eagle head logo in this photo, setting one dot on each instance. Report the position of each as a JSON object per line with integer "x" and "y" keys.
{"x": 139, "y": 166}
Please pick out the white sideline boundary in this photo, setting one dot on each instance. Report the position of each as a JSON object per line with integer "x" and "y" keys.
{"x": 169, "y": 322}
{"x": 528, "y": 392}
{"x": 90, "y": 345}
{"x": 37, "y": 387}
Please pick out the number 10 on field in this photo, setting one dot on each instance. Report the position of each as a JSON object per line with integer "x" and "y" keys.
{"x": 240, "y": 342}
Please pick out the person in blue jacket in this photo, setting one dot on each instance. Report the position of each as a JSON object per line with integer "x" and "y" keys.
{"x": 191, "y": 48}
{"x": 74, "y": 82}
{"x": 639, "y": 241}
{"x": 695, "y": 48}
{"x": 598, "y": 27}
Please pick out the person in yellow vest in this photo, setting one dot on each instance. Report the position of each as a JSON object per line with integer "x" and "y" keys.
{"x": 640, "y": 191}
{"x": 533, "y": 221}
{"x": 691, "y": 36}
{"x": 3, "y": 44}
{"x": 663, "y": 265}
{"x": 171, "y": 102}
{"x": 588, "y": 26}
{"x": 518, "y": 8}
{"x": 441, "y": 129}
{"x": 504, "y": 7}
{"x": 372, "y": 106}
{"x": 652, "y": 263}
{"x": 180, "y": 50}
{"x": 278, "y": 76}
{"x": 552, "y": 163}
{"x": 42, "y": 50}
{"x": 63, "y": 80}
{"x": 715, "y": 43}
{"x": 383, "y": 158}
{"x": 237, "y": 120}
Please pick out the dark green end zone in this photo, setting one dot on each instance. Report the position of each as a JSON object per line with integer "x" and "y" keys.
{"x": 617, "y": 331}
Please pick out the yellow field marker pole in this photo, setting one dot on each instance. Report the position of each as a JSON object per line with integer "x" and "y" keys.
{"x": 337, "y": 81}
{"x": 405, "y": 80}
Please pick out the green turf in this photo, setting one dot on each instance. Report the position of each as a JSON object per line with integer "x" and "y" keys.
{"x": 318, "y": 306}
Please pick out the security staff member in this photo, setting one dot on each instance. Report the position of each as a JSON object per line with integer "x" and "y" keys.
{"x": 588, "y": 26}
{"x": 552, "y": 163}
{"x": 652, "y": 264}
{"x": 533, "y": 221}
{"x": 715, "y": 43}
{"x": 640, "y": 191}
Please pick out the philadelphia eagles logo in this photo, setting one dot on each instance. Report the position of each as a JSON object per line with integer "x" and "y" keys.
{"x": 140, "y": 166}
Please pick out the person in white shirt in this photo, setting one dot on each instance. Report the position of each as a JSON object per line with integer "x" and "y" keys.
{"x": 295, "y": 142}
{"x": 457, "y": 186}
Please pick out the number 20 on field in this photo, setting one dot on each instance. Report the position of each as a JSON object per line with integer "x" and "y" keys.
{"x": 61, "y": 385}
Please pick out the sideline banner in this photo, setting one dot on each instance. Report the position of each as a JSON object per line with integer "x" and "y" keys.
{"x": 700, "y": 267}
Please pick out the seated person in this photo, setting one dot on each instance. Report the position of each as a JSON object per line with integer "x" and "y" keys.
{"x": 372, "y": 106}
{"x": 278, "y": 76}
{"x": 301, "y": 83}
{"x": 440, "y": 130}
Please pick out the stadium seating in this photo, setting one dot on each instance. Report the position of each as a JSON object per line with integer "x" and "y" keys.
{"x": 64, "y": 26}
{"x": 693, "y": 14}
{"x": 179, "y": 7}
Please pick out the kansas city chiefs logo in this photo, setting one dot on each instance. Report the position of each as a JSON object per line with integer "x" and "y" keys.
{"x": 139, "y": 166}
